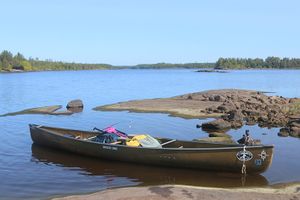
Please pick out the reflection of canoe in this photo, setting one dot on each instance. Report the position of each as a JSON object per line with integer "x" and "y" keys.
{"x": 146, "y": 175}
{"x": 183, "y": 154}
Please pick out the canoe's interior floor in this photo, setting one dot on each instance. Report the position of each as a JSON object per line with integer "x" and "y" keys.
{"x": 166, "y": 142}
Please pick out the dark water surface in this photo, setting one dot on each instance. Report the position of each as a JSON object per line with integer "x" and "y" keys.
{"x": 28, "y": 171}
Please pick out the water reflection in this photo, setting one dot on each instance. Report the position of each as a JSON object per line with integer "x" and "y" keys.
{"x": 144, "y": 175}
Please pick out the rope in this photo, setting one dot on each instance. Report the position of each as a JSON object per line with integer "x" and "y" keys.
{"x": 244, "y": 168}
{"x": 243, "y": 179}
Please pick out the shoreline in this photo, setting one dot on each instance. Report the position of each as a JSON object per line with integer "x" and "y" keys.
{"x": 178, "y": 192}
{"x": 133, "y": 68}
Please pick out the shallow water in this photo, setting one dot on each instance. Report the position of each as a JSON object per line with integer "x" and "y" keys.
{"x": 29, "y": 171}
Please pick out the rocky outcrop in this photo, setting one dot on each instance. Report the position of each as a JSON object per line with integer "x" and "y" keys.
{"x": 292, "y": 129}
{"x": 253, "y": 108}
{"x": 295, "y": 132}
{"x": 294, "y": 126}
{"x": 75, "y": 106}
{"x": 232, "y": 107}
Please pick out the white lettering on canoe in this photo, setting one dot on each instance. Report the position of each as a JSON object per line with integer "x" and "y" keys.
{"x": 110, "y": 148}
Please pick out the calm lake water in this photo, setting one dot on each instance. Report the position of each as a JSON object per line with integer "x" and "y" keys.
{"x": 29, "y": 171}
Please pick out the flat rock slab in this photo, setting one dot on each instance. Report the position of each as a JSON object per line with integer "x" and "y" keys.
{"x": 175, "y": 107}
{"x": 48, "y": 110}
{"x": 177, "y": 192}
{"x": 193, "y": 105}
{"x": 233, "y": 105}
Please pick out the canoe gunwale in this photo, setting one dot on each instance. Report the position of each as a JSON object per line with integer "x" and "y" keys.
{"x": 238, "y": 147}
{"x": 218, "y": 157}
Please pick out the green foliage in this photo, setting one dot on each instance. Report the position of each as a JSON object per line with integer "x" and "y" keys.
{"x": 6, "y": 59}
{"x": 8, "y": 62}
{"x": 26, "y": 65}
{"x": 269, "y": 62}
{"x": 51, "y": 65}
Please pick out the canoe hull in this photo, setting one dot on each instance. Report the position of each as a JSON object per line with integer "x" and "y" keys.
{"x": 217, "y": 158}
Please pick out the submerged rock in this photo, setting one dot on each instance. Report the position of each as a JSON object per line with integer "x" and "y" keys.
{"x": 218, "y": 134}
{"x": 63, "y": 112}
{"x": 37, "y": 110}
{"x": 226, "y": 140}
{"x": 218, "y": 124}
{"x": 293, "y": 129}
{"x": 283, "y": 132}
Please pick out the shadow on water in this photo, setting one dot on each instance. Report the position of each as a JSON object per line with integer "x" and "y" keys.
{"x": 144, "y": 175}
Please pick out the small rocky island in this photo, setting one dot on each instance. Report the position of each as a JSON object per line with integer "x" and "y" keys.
{"x": 73, "y": 106}
{"x": 212, "y": 71}
{"x": 232, "y": 108}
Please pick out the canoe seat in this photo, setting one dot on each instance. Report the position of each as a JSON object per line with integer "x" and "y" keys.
{"x": 168, "y": 142}
{"x": 117, "y": 142}
{"x": 89, "y": 138}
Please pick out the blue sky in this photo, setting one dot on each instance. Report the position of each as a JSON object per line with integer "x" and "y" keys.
{"x": 127, "y": 32}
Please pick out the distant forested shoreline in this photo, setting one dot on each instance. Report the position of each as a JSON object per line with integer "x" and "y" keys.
{"x": 13, "y": 63}
{"x": 258, "y": 63}
{"x": 174, "y": 66}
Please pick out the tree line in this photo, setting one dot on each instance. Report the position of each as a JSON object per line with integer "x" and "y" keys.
{"x": 269, "y": 62}
{"x": 10, "y": 62}
{"x": 171, "y": 65}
